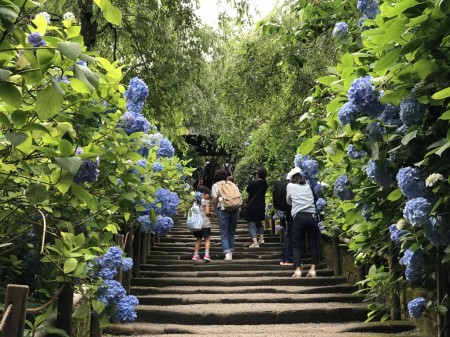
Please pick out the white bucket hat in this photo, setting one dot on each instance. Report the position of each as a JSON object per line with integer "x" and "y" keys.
{"x": 293, "y": 172}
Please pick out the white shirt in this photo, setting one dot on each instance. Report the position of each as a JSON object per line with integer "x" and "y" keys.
{"x": 206, "y": 220}
{"x": 301, "y": 198}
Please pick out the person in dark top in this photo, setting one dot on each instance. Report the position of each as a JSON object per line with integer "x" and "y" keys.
{"x": 208, "y": 173}
{"x": 256, "y": 205}
{"x": 280, "y": 203}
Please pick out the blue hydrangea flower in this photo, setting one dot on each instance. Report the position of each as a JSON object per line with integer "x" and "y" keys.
{"x": 133, "y": 122}
{"x": 321, "y": 128}
{"x": 366, "y": 212}
{"x": 281, "y": 214}
{"x": 278, "y": 228}
{"x": 136, "y": 94}
{"x": 411, "y": 111}
{"x": 410, "y": 182}
{"x": 142, "y": 163}
{"x": 125, "y": 310}
{"x": 370, "y": 8}
{"x": 348, "y": 113}
{"x": 127, "y": 263}
{"x": 88, "y": 172}
{"x": 179, "y": 166}
{"x": 417, "y": 211}
{"x": 436, "y": 233}
{"x": 169, "y": 202}
{"x": 361, "y": 92}
{"x": 109, "y": 263}
{"x": 390, "y": 115}
{"x": 416, "y": 307}
{"x": 165, "y": 149}
{"x": 320, "y": 203}
{"x": 146, "y": 224}
{"x": 63, "y": 79}
{"x": 275, "y": 217}
{"x": 340, "y": 31}
{"x": 413, "y": 260}
{"x": 396, "y": 233}
{"x": 379, "y": 175}
{"x": 157, "y": 167}
{"x": 316, "y": 186}
{"x": 373, "y": 108}
{"x": 111, "y": 293}
{"x": 198, "y": 196}
{"x": 297, "y": 160}
{"x": 353, "y": 153}
{"x": 35, "y": 39}
{"x": 143, "y": 151}
{"x": 164, "y": 225}
{"x": 82, "y": 63}
{"x": 308, "y": 166}
{"x": 341, "y": 188}
{"x": 375, "y": 131}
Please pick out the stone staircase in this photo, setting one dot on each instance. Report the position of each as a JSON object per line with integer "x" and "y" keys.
{"x": 250, "y": 295}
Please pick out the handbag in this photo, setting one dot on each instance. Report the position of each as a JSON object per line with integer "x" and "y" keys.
{"x": 194, "y": 219}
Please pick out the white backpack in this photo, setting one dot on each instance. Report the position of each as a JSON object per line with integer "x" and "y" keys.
{"x": 194, "y": 219}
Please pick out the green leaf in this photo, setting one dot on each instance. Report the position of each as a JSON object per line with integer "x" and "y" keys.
{"x": 394, "y": 195}
{"x": 425, "y": 68}
{"x": 70, "y": 49}
{"x": 441, "y": 310}
{"x": 5, "y": 75}
{"x": 81, "y": 194}
{"x": 86, "y": 75}
{"x": 407, "y": 138}
{"x": 113, "y": 15}
{"x": 65, "y": 148}
{"x": 36, "y": 193}
{"x": 400, "y": 8}
{"x": 79, "y": 86}
{"x": 16, "y": 138}
{"x": 307, "y": 146}
{"x": 19, "y": 117}
{"x": 82, "y": 311}
{"x": 444, "y": 5}
{"x": 442, "y": 149}
{"x": 35, "y": 127}
{"x": 444, "y": 93}
{"x": 10, "y": 94}
{"x": 98, "y": 306}
{"x": 70, "y": 265}
{"x": 387, "y": 60}
{"x": 48, "y": 103}
{"x": 4, "y": 120}
{"x": 445, "y": 115}
{"x": 70, "y": 164}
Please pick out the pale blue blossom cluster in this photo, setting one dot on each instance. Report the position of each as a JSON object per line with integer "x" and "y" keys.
{"x": 379, "y": 175}
{"x": 413, "y": 260}
{"x": 436, "y": 232}
{"x": 348, "y": 113}
{"x": 370, "y": 8}
{"x": 390, "y": 115}
{"x": 146, "y": 224}
{"x": 35, "y": 39}
{"x": 340, "y": 31}
{"x": 88, "y": 172}
{"x": 375, "y": 131}
{"x": 169, "y": 202}
{"x": 361, "y": 92}
{"x": 416, "y": 307}
{"x": 411, "y": 111}
{"x": 125, "y": 311}
{"x": 142, "y": 163}
{"x": 396, "y": 233}
{"x": 410, "y": 182}
{"x": 136, "y": 94}
{"x": 111, "y": 261}
{"x": 320, "y": 204}
{"x": 417, "y": 211}
{"x": 163, "y": 225}
{"x": 132, "y": 122}
{"x": 165, "y": 149}
{"x": 309, "y": 168}
{"x": 355, "y": 154}
{"x": 157, "y": 167}
{"x": 341, "y": 188}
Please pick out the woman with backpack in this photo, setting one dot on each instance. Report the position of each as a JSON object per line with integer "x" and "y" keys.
{"x": 227, "y": 198}
{"x": 256, "y": 207}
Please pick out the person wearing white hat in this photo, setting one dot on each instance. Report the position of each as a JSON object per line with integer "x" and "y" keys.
{"x": 301, "y": 197}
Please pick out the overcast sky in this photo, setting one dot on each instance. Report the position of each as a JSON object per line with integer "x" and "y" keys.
{"x": 209, "y": 9}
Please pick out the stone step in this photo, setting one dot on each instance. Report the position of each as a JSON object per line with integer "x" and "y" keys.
{"x": 248, "y": 289}
{"x": 237, "y": 255}
{"x": 226, "y": 273}
{"x": 243, "y": 264}
{"x": 236, "y": 281}
{"x": 187, "y": 299}
{"x": 350, "y": 329}
{"x": 251, "y": 314}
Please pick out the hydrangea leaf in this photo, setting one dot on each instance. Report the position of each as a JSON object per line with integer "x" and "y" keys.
{"x": 86, "y": 75}
{"x": 70, "y": 164}
{"x": 424, "y": 68}
{"x": 406, "y": 139}
{"x": 65, "y": 148}
{"x": 10, "y": 94}
{"x": 387, "y": 60}
{"x": 48, "y": 103}
{"x": 394, "y": 195}
{"x": 36, "y": 193}
{"x": 444, "y": 93}
{"x": 80, "y": 86}
{"x": 70, "y": 49}
{"x": 82, "y": 194}
{"x": 445, "y": 115}
{"x": 82, "y": 310}
{"x": 19, "y": 117}
{"x": 70, "y": 265}
{"x": 16, "y": 138}
{"x": 390, "y": 12}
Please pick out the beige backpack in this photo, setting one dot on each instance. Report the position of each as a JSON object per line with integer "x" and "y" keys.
{"x": 231, "y": 197}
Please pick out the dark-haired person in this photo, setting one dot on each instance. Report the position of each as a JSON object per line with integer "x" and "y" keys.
{"x": 300, "y": 196}
{"x": 209, "y": 171}
{"x": 256, "y": 206}
{"x": 227, "y": 219}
